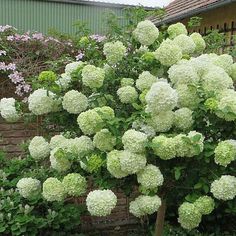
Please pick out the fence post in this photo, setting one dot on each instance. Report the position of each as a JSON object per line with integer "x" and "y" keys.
{"x": 159, "y": 226}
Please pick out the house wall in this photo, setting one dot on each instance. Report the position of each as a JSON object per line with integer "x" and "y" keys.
{"x": 38, "y": 15}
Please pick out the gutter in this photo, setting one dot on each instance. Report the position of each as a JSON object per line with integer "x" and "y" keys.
{"x": 193, "y": 12}
{"x": 97, "y": 3}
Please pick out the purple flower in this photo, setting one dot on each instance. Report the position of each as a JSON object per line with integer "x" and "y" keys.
{"x": 10, "y": 66}
{"x": 79, "y": 56}
{"x": 98, "y": 38}
{"x": 4, "y": 28}
{"x": 10, "y": 38}
{"x": 16, "y": 77}
{"x": 37, "y": 36}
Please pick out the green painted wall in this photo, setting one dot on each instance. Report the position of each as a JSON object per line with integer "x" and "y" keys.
{"x": 37, "y": 15}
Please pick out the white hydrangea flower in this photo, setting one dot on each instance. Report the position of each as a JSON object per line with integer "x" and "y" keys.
{"x": 39, "y": 148}
{"x": 232, "y": 71}
{"x": 164, "y": 147}
{"x": 186, "y": 44}
{"x": 58, "y": 161}
{"x": 113, "y": 164}
{"x": 224, "y": 61}
{"x": 64, "y": 81}
{"x": 189, "y": 216}
{"x": 176, "y": 29}
{"x": 205, "y": 205}
{"x": 145, "y": 80}
{"x": 53, "y": 190}
{"x": 181, "y": 147}
{"x": 199, "y": 42}
{"x": 74, "y": 102}
{"x": 163, "y": 121}
{"x": 28, "y": 187}
{"x": 188, "y": 96}
{"x": 161, "y": 97}
{"x": 92, "y": 76}
{"x": 183, "y": 73}
{"x": 132, "y": 162}
{"x": 114, "y": 52}
{"x": 216, "y": 80}
{"x": 8, "y": 110}
{"x": 146, "y": 32}
{"x": 127, "y": 94}
{"x": 143, "y": 49}
{"x": 225, "y": 152}
{"x": 106, "y": 112}
{"x": 150, "y": 177}
{"x": 224, "y": 188}
{"x": 104, "y": 140}
{"x": 134, "y": 141}
{"x": 82, "y": 146}
{"x": 41, "y": 102}
{"x": 126, "y": 82}
{"x": 144, "y": 205}
{"x": 101, "y": 202}
{"x": 90, "y": 122}
{"x": 72, "y": 67}
{"x": 168, "y": 53}
{"x": 183, "y": 119}
{"x": 58, "y": 141}
{"x": 74, "y": 184}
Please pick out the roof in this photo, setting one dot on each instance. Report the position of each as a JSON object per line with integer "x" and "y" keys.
{"x": 112, "y": 3}
{"x": 180, "y": 9}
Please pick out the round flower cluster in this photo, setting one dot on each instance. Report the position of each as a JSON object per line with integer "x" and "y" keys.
{"x": 132, "y": 163}
{"x": 205, "y": 205}
{"x": 150, "y": 177}
{"x": 53, "y": 190}
{"x": 224, "y": 188}
{"x": 183, "y": 119}
{"x": 145, "y": 81}
{"x": 28, "y": 187}
{"x": 114, "y": 52}
{"x": 176, "y": 29}
{"x": 39, "y": 148}
{"x": 92, "y": 76}
{"x": 90, "y": 122}
{"x": 187, "y": 96}
{"x": 47, "y": 76}
{"x": 183, "y": 74}
{"x": 64, "y": 81}
{"x": 59, "y": 160}
{"x": 163, "y": 121}
{"x": 224, "y": 61}
{"x": 146, "y": 32}
{"x": 225, "y": 152}
{"x": 104, "y": 140}
{"x": 8, "y": 110}
{"x": 74, "y": 102}
{"x": 199, "y": 42}
{"x": 127, "y": 94}
{"x": 186, "y": 44}
{"x": 58, "y": 141}
{"x": 189, "y": 216}
{"x": 144, "y": 205}
{"x": 164, "y": 147}
{"x": 168, "y": 53}
{"x": 134, "y": 141}
{"x": 74, "y": 184}
{"x": 101, "y": 202}
{"x": 106, "y": 113}
{"x": 126, "y": 82}
{"x": 81, "y": 146}
{"x": 114, "y": 165}
{"x": 72, "y": 67}
{"x": 215, "y": 80}
{"x": 41, "y": 102}
{"x": 232, "y": 71}
{"x": 226, "y": 106}
{"x": 161, "y": 97}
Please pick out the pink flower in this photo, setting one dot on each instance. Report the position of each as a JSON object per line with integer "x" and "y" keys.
{"x": 79, "y": 56}
{"x": 10, "y": 38}
{"x": 16, "y": 77}
{"x": 4, "y": 28}
{"x": 37, "y": 36}
{"x": 98, "y": 38}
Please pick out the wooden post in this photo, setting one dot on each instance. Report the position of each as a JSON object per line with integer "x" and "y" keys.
{"x": 160, "y": 219}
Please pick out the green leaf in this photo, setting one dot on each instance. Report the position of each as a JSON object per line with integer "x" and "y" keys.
{"x": 198, "y": 186}
{"x": 196, "y": 138}
{"x": 177, "y": 173}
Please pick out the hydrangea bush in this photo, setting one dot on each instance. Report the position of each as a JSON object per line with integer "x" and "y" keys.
{"x": 151, "y": 111}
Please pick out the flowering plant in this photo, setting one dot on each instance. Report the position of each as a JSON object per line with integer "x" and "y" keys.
{"x": 149, "y": 111}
